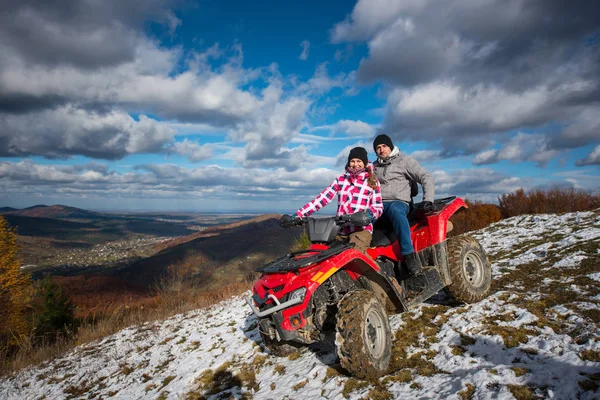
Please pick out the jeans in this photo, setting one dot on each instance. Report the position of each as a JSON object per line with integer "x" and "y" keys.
{"x": 396, "y": 212}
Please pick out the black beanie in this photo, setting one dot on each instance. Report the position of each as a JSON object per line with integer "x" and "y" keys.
{"x": 360, "y": 153}
{"x": 383, "y": 139}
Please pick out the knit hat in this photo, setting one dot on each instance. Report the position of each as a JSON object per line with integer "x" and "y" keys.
{"x": 383, "y": 139}
{"x": 360, "y": 153}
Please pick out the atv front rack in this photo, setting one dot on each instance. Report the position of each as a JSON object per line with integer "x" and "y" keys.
{"x": 278, "y": 306}
{"x": 295, "y": 260}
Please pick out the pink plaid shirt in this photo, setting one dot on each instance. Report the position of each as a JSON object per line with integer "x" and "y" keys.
{"x": 354, "y": 195}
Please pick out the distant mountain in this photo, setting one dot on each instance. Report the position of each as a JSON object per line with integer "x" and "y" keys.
{"x": 58, "y": 211}
{"x": 7, "y": 209}
{"x": 227, "y": 252}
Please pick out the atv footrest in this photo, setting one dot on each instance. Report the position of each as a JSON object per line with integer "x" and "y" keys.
{"x": 422, "y": 286}
{"x": 299, "y": 259}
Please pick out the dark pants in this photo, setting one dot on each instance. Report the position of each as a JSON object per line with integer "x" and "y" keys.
{"x": 396, "y": 212}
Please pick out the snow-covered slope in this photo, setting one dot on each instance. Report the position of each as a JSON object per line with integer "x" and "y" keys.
{"x": 535, "y": 336}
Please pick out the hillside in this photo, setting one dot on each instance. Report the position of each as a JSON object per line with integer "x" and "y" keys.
{"x": 232, "y": 250}
{"x": 536, "y": 336}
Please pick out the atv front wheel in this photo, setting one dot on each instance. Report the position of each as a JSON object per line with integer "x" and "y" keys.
{"x": 278, "y": 348}
{"x": 363, "y": 335}
{"x": 470, "y": 270}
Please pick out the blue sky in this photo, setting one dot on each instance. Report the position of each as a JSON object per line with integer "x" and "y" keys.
{"x": 253, "y": 106}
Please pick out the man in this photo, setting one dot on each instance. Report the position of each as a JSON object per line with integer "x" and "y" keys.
{"x": 395, "y": 171}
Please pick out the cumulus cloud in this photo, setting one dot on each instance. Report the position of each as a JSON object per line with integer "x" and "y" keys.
{"x": 276, "y": 122}
{"x": 583, "y": 129}
{"x": 210, "y": 182}
{"x": 85, "y": 34}
{"x": 68, "y": 131}
{"x": 62, "y": 102}
{"x": 522, "y": 147}
{"x": 592, "y": 159}
{"x": 305, "y": 48}
{"x": 354, "y": 128}
{"x": 321, "y": 82}
{"x": 475, "y": 40}
{"x": 146, "y": 83}
{"x": 192, "y": 151}
{"x": 483, "y": 184}
{"x": 427, "y": 155}
{"x": 348, "y": 127}
{"x": 480, "y": 69}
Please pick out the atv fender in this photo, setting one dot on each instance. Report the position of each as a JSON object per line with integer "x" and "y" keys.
{"x": 362, "y": 268}
{"x": 438, "y": 222}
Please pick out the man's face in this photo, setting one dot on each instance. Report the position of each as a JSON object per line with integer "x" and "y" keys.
{"x": 383, "y": 151}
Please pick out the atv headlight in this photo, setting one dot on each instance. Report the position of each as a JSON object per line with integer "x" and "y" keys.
{"x": 297, "y": 294}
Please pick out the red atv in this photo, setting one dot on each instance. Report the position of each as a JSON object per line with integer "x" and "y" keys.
{"x": 302, "y": 296}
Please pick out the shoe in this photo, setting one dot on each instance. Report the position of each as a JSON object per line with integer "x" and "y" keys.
{"x": 413, "y": 263}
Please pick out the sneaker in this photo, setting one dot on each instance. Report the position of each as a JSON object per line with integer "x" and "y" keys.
{"x": 413, "y": 263}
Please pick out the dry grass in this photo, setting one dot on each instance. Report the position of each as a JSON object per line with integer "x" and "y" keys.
{"x": 467, "y": 393}
{"x": 172, "y": 297}
{"x": 351, "y": 385}
{"x": 426, "y": 326}
{"x": 521, "y": 392}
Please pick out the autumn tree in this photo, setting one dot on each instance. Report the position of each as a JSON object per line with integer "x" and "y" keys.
{"x": 14, "y": 289}
{"x": 553, "y": 200}
{"x": 478, "y": 215}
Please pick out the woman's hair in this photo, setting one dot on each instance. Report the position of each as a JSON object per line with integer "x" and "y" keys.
{"x": 371, "y": 181}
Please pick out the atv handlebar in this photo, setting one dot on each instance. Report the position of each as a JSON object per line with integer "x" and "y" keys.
{"x": 361, "y": 218}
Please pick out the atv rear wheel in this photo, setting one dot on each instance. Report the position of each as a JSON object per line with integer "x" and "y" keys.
{"x": 363, "y": 335}
{"x": 278, "y": 348}
{"x": 470, "y": 270}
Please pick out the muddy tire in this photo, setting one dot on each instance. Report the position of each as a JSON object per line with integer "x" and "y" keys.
{"x": 470, "y": 270}
{"x": 277, "y": 348}
{"x": 363, "y": 335}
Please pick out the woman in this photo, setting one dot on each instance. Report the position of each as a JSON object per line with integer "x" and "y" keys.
{"x": 357, "y": 190}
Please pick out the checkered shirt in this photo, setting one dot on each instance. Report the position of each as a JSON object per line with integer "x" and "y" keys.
{"x": 354, "y": 195}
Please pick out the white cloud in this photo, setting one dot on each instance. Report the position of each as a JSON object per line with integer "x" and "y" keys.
{"x": 355, "y": 128}
{"x": 427, "y": 110}
{"x": 69, "y": 131}
{"x": 591, "y": 159}
{"x": 369, "y": 17}
{"x": 483, "y": 184}
{"x": 522, "y": 147}
{"x": 427, "y": 155}
{"x": 192, "y": 151}
{"x": 211, "y": 182}
{"x": 348, "y": 127}
{"x": 305, "y": 47}
{"x": 480, "y": 69}
{"x": 321, "y": 82}
{"x": 277, "y": 121}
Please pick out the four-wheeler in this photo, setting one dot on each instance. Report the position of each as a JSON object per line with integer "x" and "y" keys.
{"x": 303, "y": 296}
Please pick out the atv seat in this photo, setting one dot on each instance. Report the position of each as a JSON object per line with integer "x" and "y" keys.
{"x": 383, "y": 231}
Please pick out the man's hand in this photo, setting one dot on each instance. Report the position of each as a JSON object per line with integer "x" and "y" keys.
{"x": 427, "y": 206}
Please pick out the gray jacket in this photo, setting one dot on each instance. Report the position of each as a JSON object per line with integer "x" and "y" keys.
{"x": 395, "y": 173}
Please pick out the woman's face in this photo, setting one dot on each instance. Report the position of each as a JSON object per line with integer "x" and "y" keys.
{"x": 356, "y": 163}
